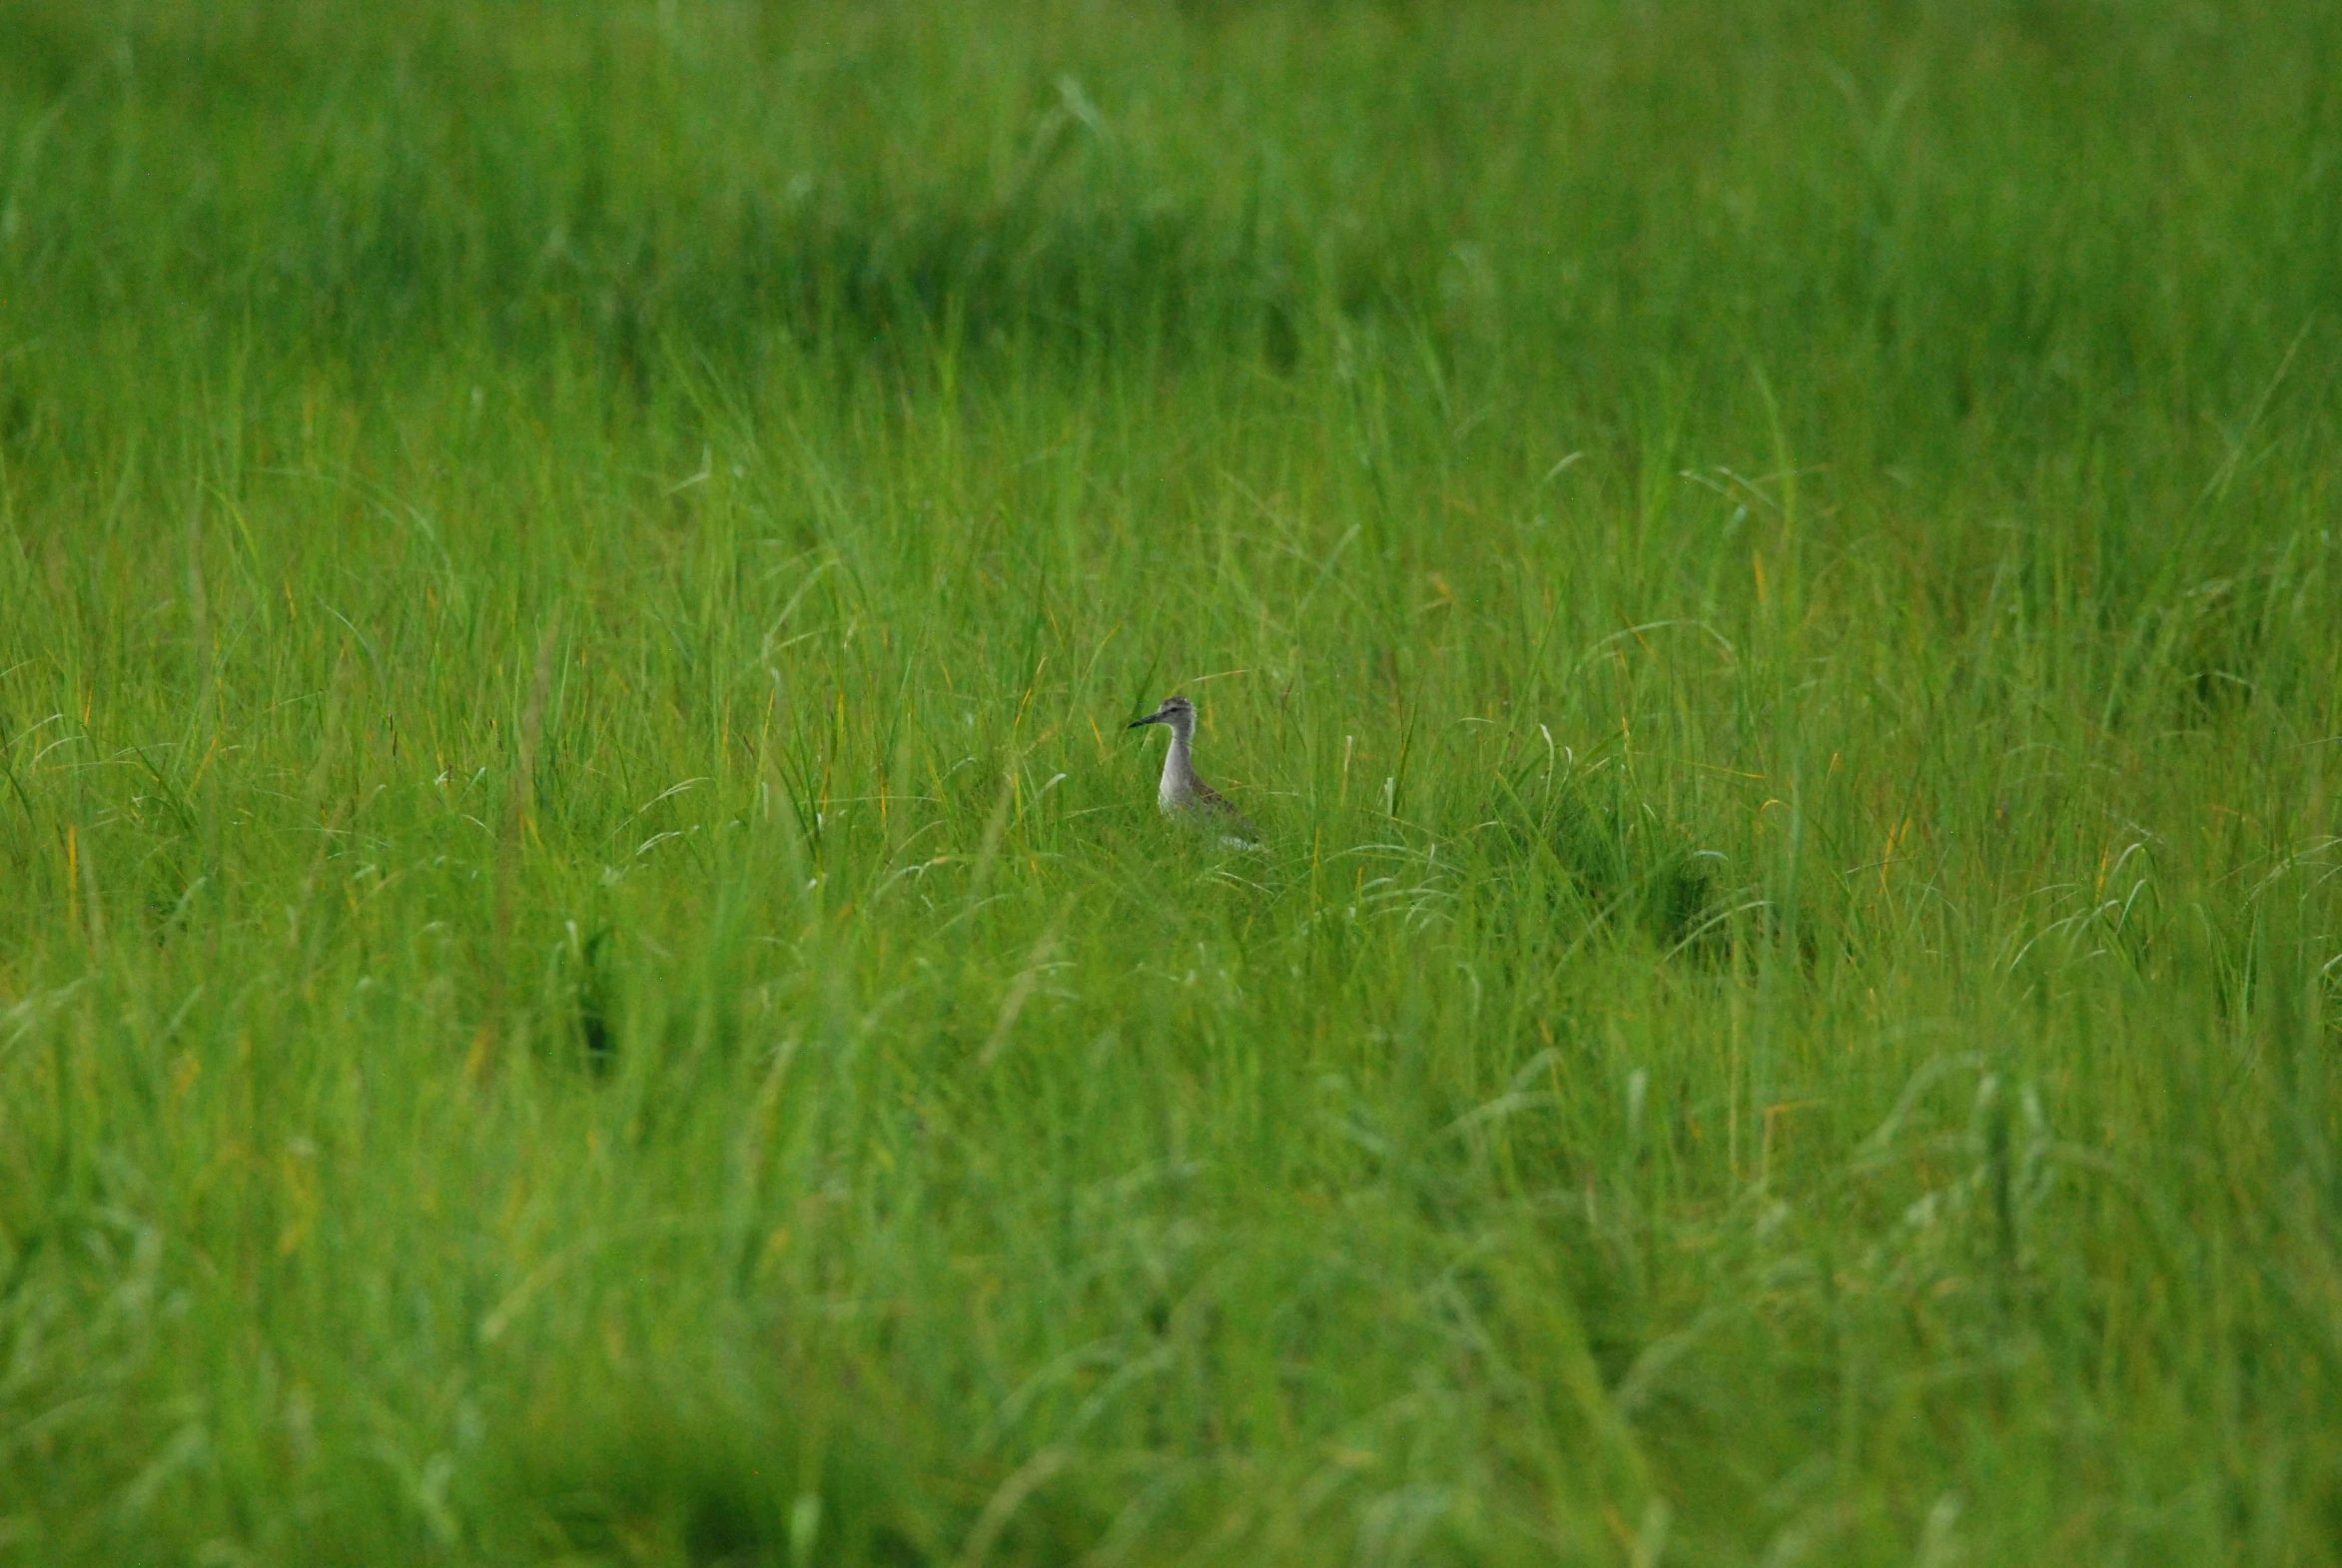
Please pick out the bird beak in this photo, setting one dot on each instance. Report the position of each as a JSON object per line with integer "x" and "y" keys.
{"x": 1151, "y": 718}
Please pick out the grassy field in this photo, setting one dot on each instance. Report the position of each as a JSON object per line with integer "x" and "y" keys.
{"x": 588, "y": 974}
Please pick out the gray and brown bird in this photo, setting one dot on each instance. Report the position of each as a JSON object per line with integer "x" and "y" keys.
{"x": 1185, "y": 796}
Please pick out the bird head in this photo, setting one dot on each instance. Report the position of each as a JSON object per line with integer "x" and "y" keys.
{"x": 1178, "y": 712}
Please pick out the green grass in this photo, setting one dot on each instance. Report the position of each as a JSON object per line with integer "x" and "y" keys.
{"x": 588, "y": 975}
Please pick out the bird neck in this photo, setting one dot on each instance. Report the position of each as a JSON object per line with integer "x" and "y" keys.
{"x": 1179, "y": 773}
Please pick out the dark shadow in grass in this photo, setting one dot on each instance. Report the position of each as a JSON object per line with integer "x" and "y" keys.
{"x": 1580, "y": 846}
{"x": 1072, "y": 266}
{"x": 583, "y": 1003}
{"x": 807, "y": 1465}
{"x": 594, "y": 1003}
{"x": 709, "y": 1479}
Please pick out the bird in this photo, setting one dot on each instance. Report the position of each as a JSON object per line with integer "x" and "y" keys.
{"x": 1182, "y": 793}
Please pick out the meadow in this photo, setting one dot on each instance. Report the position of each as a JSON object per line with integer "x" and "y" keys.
{"x": 588, "y": 974}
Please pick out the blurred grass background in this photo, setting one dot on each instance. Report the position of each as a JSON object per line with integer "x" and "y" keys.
{"x": 587, "y": 974}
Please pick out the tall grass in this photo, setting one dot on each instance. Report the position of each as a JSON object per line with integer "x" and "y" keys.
{"x": 587, "y": 973}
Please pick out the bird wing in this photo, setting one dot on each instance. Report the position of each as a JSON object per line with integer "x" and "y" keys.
{"x": 1217, "y": 804}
